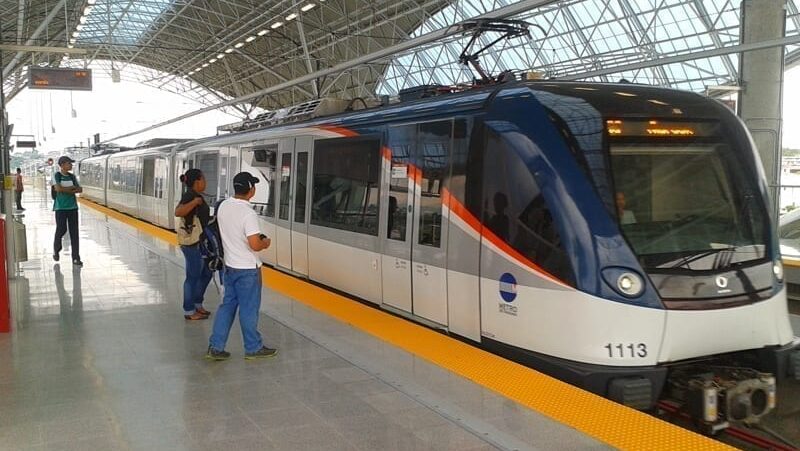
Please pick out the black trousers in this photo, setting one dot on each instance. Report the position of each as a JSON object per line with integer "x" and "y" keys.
{"x": 67, "y": 219}
{"x": 19, "y": 199}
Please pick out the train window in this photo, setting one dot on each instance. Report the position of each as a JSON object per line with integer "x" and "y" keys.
{"x": 401, "y": 142}
{"x": 433, "y": 152}
{"x": 116, "y": 176}
{"x": 345, "y": 189}
{"x": 516, "y": 212}
{"x": 261, "y": 162}
{"x": 208, "y": 163}
{"x": 286, "y": 185}
{"x": 300, "y": 187}
{"x": 148, "y": 187}
{"x": 680, "y": 202}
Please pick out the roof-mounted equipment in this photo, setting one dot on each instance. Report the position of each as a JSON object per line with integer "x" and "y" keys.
{"x": 300, "y": 112}
{"x": 508, "y": 29}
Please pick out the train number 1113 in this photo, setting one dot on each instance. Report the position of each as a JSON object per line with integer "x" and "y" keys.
{"x": 629, "y": 350}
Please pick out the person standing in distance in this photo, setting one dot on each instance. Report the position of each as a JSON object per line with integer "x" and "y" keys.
{"x": 242, "y": 240}
{"x": 66, "y": 208}
{"x": 18, "y": 189}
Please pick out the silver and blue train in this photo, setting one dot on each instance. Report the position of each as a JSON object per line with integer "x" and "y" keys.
{"x": 614, "y": 236}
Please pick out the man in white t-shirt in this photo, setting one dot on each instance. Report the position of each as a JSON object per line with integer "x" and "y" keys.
{"x": 241, "y": 240}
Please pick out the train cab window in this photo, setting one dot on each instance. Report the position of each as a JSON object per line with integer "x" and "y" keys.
{"x": 433, "y": 152}
{"x": 345, "y": 189}
{"x": 516, "y": 213}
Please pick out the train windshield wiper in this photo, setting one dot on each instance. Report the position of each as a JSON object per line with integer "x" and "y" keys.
{"x": 722, "y": 259}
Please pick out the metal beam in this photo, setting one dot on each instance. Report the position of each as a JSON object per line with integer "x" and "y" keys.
{"x": 507, "y": 11}
{"x": 789, "y": 40}
{"x": 56, "y": 9}
{"x": 41, "y": 49}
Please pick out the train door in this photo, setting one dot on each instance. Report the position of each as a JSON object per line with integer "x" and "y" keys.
{"x": 414, "y": 260}
{"x": 283, "y": 231}
{"x": 398, "y": 184}
{"x": 300, "y": 195}
{"x": 429, "y": 245}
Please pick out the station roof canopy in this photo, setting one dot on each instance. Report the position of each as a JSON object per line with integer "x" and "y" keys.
{"x": 218, "y": 50}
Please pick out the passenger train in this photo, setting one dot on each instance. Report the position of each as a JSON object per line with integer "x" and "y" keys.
{"x": 616, "y": 236}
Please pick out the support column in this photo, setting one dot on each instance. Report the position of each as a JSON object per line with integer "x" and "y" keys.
{"x": 761, "y": 76}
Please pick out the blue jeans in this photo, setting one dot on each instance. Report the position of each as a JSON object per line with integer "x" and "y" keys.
{"x": 242, "y": 291}
{"x": 198, "y": 277}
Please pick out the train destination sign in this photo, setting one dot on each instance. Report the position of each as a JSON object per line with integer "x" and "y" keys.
{"x": 51, "y": 78}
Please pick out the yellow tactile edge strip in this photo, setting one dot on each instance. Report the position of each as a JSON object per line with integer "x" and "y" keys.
{"x": 609, "y": 422}
{"x": 791, "y": 261}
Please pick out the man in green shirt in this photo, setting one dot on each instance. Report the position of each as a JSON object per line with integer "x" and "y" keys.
{"x": 66, "y": 207}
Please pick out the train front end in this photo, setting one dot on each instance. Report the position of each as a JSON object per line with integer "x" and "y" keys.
{"x": 682, "y": 247}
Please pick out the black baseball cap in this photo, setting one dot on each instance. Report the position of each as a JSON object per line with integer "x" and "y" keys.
{"x": 65, "y": 159}
{"x": 243, "y": 181}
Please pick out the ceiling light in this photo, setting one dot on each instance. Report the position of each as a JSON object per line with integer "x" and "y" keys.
{"x": 239, "y": 45}
{"x": 228, "y": 50}
{"x": 82, "y": 19}
{"x": 250, "y": 39}
{"x": 69, "y": 46}
{"x": 91, "y": 2}
{"x": 291, "y": 16}
{"x": 204, "y": 65}
{"x": 276, "y": 25}
{"x": 72, "y": 41}
{"x": 308, "y": 7}
{"x": 79, "y": 27}
{"x": 212, "y": 60}
{"x": 263, "y": 32}
{"x": 220, "y": 56}
{"x": 87, "y": 10}
{"x": 75, "y": 33}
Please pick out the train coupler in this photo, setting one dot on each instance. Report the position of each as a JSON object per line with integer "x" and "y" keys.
{"x": 718, "y": 395}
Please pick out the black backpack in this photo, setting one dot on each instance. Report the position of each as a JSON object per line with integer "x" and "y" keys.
{"x": 211, "y": 243}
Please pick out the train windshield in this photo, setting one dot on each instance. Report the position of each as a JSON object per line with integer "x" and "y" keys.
{"x": 687, "y": 204}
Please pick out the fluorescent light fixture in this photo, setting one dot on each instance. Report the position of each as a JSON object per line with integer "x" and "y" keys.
{"x": 308, "y": 7}
{"x": 79, "y": 27}
{"x": 220, "y": 56}
{"x": 263, "y": 32}
{"x": 204, "y": 65}
{"x": 229, "y": 50}
{"x": 75, "y": 33}
{"x": 291, "y": 16}
{"x": 239, "y": 45}
{"x": 276, "y": 25}
{"x": 212, "y": 60}
{"x": 91, "y": 2}
{"x": 69, "y": 46}
{"x": 82, "y": 19}
{"x": 250, "y": 39}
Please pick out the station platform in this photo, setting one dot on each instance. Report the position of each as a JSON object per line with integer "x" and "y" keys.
{"x": 101, "y": 358}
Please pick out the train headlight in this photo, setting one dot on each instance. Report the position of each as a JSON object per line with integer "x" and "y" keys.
{"x": 777, "y": 269}
{"x": 624, "y": 281}
{"x": 630, "y": 284}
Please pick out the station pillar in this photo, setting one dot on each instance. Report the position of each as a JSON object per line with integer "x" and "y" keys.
{"x": 761, "y": 78}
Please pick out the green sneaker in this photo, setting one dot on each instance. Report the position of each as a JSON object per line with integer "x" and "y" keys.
{"x": 262, "y": 353}
{"x": 213, "y": 354}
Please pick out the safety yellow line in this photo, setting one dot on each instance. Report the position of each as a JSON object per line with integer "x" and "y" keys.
{"x": 607, "y": 421}
{"x": 791, "y": 261}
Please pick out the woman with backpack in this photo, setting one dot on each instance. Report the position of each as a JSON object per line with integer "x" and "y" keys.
{"x": 194, "y": 214}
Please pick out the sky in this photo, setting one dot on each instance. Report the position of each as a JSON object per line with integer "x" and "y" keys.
{"x": 113, "y": 109}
